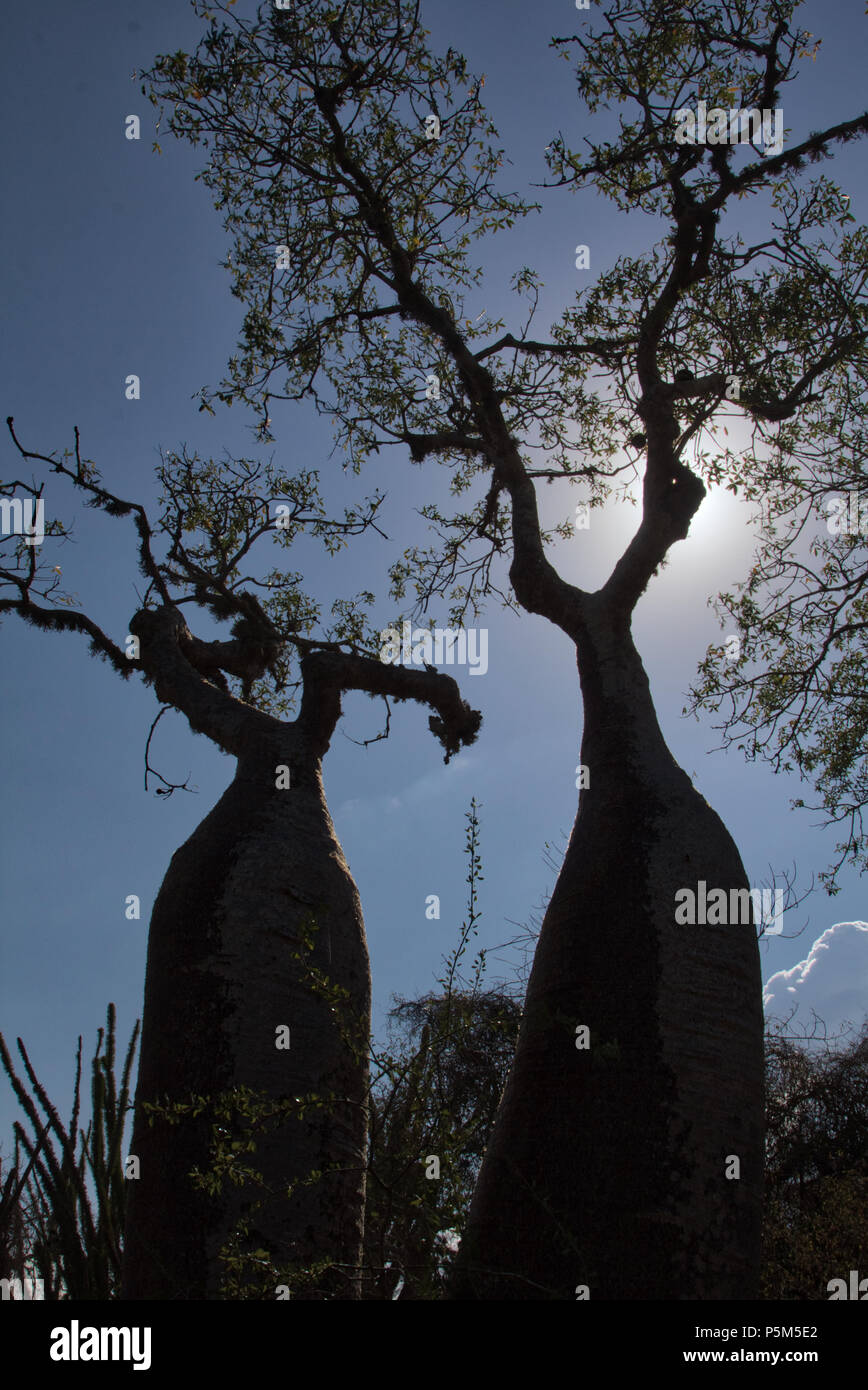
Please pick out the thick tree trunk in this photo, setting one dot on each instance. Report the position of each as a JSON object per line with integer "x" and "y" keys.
{"x": 607, "y": 1167}
{"x": 227, "y": 966}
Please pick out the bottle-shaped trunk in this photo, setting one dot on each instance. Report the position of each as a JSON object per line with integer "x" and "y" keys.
{"x": 257, "y": 996}
{"x": 627, "y": 1161}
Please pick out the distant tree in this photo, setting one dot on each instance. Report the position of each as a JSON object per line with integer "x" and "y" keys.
{"x": 429, "y": 1127}
{"x": 357, "y": 172}
{"x": 815, "y": 1225}
{"x": 434, "y": 1096}
{"x": 257, "y": 928}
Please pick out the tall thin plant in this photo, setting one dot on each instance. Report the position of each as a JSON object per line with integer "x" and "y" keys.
{"x": 76, "y": 1185}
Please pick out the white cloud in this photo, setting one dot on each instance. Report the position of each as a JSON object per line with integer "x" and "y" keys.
{"x": 834, "y": 983}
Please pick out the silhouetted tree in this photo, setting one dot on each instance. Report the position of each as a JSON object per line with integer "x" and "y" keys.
{"x": 257, "y": 928}
{"x": 356, "y": 169}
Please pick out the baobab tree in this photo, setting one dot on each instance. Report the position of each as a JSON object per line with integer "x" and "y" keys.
{"x": 250, "y": 1131}
{"x": 356, "y": 169}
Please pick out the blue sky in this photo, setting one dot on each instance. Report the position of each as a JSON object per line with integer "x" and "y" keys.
{"x": 111, "y": 257}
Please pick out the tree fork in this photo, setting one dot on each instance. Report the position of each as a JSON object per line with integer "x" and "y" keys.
{"x": 258, "y": 926}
